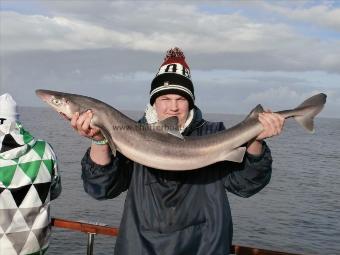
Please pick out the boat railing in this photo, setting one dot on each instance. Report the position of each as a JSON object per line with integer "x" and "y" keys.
{"x": 92, "y": 229}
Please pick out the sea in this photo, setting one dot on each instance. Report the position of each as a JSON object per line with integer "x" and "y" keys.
{"x": 298, "y": 211}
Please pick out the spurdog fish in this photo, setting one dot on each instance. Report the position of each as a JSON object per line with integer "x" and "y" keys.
{"x": 161, "y": 146}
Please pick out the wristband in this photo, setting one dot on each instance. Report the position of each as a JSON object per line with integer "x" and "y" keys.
{"x": 101, "y": 142}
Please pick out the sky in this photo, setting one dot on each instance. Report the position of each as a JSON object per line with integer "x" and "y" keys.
{"x": 241, "y": 53}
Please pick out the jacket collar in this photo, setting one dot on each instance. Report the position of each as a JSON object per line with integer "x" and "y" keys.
{"x": 197, "y": 121}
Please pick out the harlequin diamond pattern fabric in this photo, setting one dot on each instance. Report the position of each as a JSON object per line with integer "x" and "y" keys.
{"x": 27, "y": 167}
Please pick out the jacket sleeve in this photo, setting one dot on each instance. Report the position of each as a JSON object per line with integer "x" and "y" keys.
{"x": 55, "y": 177}
{"x": 103, "y": 182}
{"x": 249, "y": 177}
{"x": 55, "y": 187}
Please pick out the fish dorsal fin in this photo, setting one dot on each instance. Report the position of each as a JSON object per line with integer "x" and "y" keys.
{"x": 170, "y": 126}
{"x": 255, "y": 112}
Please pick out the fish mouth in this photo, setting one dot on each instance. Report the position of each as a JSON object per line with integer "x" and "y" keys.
{"x": 64, "y": 116}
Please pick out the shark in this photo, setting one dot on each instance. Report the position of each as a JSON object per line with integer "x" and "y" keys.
{"x": 160, "y": 145}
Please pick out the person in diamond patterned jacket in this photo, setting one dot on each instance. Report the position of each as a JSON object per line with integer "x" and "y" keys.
{"x": 29, "y": 180}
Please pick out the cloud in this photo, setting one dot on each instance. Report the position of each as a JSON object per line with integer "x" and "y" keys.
{"x": 237, "y": 51}
{"x": 324, "y": 14}
{"x": 37, "y": 32}
{"x": 198, "y": 31}
{"x": 127, "y": 76}
{"x": 272, "y": 95}
{"x": 151, "y": 28}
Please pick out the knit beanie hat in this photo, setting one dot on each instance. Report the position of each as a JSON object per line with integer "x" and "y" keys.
{"x": 8, "y": 108}
{"x": 173, "y": 77}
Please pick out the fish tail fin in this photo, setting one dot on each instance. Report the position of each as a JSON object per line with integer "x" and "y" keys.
{"x": 310, "y": 108}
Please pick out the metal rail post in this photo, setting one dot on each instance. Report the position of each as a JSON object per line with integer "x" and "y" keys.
{"x": 90, "y": 243}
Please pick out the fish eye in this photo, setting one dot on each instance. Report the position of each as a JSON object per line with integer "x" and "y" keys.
{"x": 56, "y": 101}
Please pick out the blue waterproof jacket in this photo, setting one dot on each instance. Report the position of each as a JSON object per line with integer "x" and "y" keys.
{"x": 177, "y": 213}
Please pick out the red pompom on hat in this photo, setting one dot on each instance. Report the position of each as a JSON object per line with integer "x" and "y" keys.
{"x": 173, "y": 77}
{"x": 175, "y": 55}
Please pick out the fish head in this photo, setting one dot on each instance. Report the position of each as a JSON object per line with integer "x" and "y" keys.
{"x": 65, "y": 104}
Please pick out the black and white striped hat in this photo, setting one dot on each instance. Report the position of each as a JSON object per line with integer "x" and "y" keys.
{"x": 173, "y": 77}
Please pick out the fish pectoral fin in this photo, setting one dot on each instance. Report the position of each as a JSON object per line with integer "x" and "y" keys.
{"x": 235, "y": 155}
{"x": 113, "y": 149}
{"x": 108, "y": 137}
{"x": 112, "y": 145}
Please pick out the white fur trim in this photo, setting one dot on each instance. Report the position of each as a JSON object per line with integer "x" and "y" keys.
{"x": 188, "y": 121}
{"x": 150, "y": 114}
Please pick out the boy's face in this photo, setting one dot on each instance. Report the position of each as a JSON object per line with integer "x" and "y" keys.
{"x": 172, "y": 105}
